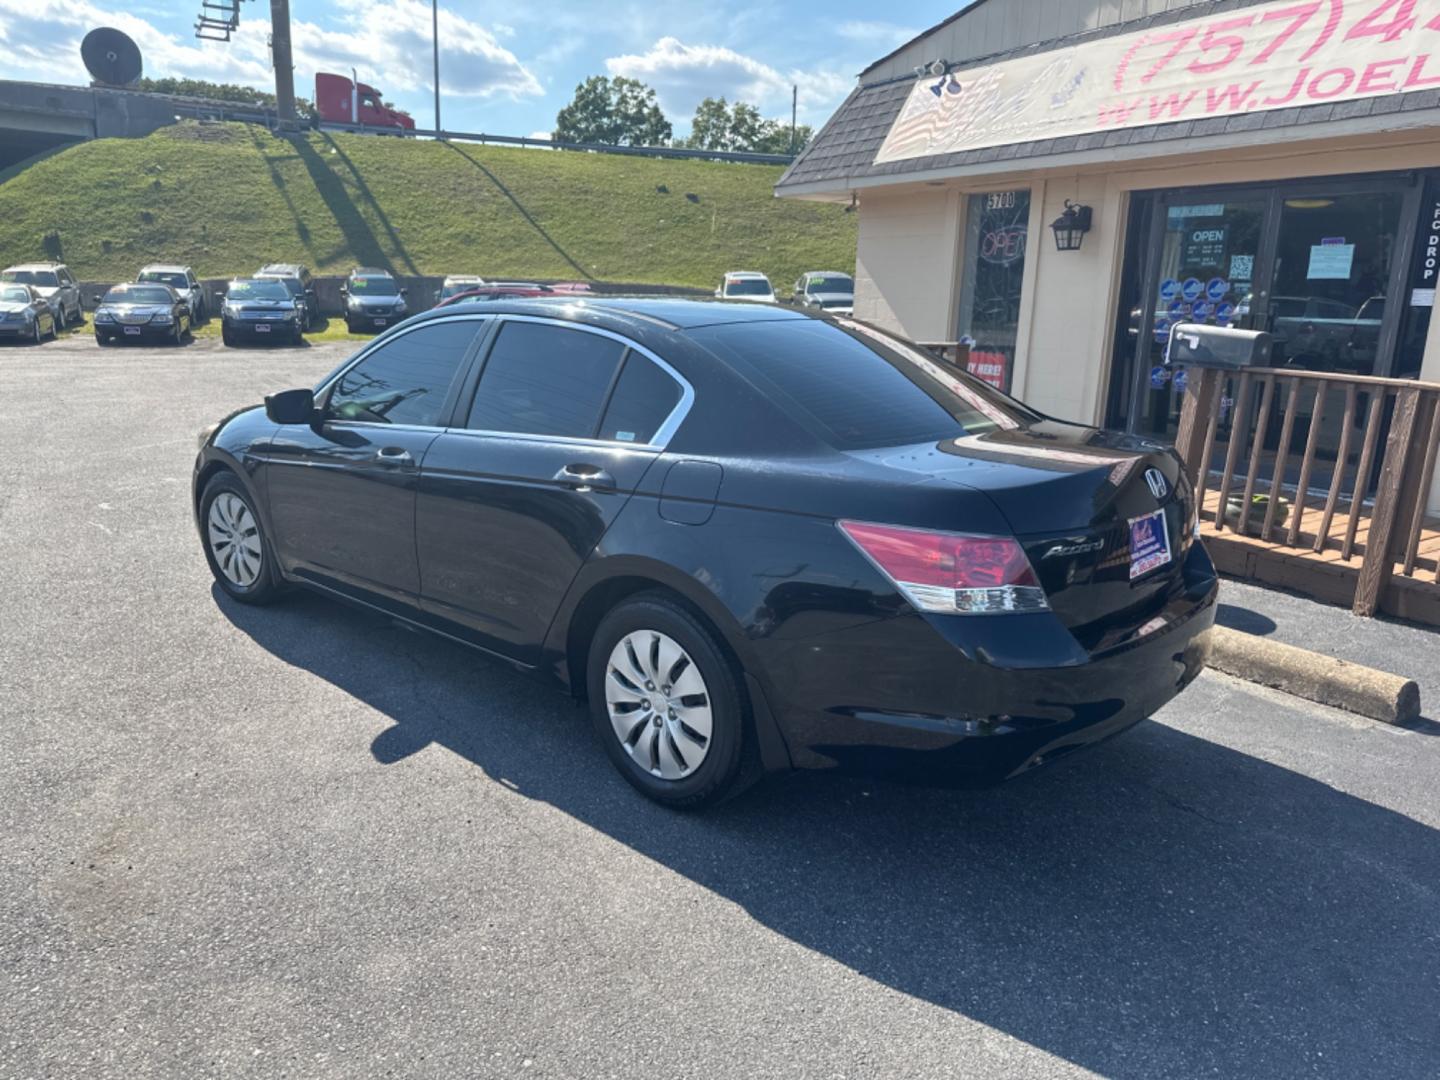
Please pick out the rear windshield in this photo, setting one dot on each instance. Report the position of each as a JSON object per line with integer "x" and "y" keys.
{"x": 858, "y": 388}
{"x": 257, "y": 290}
{"x": 165, "y": 277}
{"x": 15, "y": 294}
{"x": 137, "y": 294}
{"x": 747, "y": 287}
{"x": 43, "y": 278}
{"x": 831, "y": 283}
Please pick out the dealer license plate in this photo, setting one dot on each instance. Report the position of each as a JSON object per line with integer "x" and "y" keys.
{"x": 1149, "y": 543}
{"x": 132, "y": 330}
{"x": 262, "y": 328}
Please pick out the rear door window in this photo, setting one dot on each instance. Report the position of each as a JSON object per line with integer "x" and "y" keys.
{"x": 545, "y": 380}
{"x": 645, "y": 396}
{"x": 407, "y": 379}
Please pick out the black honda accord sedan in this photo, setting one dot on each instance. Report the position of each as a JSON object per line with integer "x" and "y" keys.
{"x": 753, "y": 539}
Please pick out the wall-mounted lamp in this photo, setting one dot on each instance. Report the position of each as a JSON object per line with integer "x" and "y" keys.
{"x": 1071, "y": 226}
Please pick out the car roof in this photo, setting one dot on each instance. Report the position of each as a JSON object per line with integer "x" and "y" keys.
{"x": 370, "y": 271}
{"x": 827, "y": 273}
{"x": 744, "y": 274}
{"x": 280, "y": 268}
{"x": 674, "y": 313}
{"x": 463, "y": 277}
{"x": 164, "y": 268}
{"x": 34, "y": 266}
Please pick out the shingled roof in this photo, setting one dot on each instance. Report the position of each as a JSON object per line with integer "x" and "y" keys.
{"x": 844, "y": 150}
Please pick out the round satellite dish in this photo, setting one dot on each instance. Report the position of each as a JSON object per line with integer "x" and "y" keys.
{"x": 111, "y": 57}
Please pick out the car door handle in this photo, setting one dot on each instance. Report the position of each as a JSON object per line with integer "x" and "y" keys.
{"x": 583, "y": 477}
{"x": 394, "y": 455}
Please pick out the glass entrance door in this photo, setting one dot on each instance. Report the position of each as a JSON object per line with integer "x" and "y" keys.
{"x": 1203, "y": 270}
{"x": 1319, "y": 264}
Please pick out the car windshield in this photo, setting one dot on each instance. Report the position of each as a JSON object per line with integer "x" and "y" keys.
{"x": 257, "y": 290}
{"x": 166, "y": 277}
{"x": 858, "y": 388}
{"x": 137, "y": 294}
{"x": 828, "y": 283}
{"x": 15, "y": 294}
{"x": 374, "y": 286}
{"x": 43, "y": 278}
{"x": 747, "y": 287}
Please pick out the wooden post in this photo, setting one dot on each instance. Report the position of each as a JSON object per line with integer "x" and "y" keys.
{"x": 1201, "y": 398}
{"x": 1379, "y": 563}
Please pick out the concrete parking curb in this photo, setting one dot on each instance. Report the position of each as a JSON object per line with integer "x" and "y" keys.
{"x": 1315, "y": 677}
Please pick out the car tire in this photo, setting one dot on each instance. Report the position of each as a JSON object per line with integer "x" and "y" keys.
{"x": 236, "y": 547}
{"x": 37, "y": 337}
{"x": 226, "y": 337}
{"x": 667, "y": 640}
{"x": 177, "y": 337}
{"x": 102, "y": 340}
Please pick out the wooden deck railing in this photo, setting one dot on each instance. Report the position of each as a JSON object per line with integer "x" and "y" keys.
{"x": 1406, "y": 463}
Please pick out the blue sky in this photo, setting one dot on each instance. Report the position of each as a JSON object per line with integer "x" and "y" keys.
{"x": 506, "y": 68}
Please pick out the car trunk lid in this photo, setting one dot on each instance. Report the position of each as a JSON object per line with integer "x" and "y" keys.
{"x": 1104, "y": 518}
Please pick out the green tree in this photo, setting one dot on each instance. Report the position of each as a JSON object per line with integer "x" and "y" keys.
{"x": 720, "y": 126}
{"x": 710, "y": 130}
{"x": 613, "y": 112}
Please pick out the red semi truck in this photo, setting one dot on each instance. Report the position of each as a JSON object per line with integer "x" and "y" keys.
{"x": 346, "y": 101}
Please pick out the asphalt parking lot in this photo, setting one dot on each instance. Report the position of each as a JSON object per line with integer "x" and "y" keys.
{"x": 302, "y": 841}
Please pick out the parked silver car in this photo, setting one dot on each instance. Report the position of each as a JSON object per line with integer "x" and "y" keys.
{"x": 25, "y": 314}
{"x": 55, "y": 283}
{"x": 183, "y": 280}
{"x": 827, "y": 290}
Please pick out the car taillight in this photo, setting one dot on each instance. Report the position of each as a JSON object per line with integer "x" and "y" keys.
{"x": 951, "y": 573}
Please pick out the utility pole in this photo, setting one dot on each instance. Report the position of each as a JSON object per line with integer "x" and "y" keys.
{"x": 435, "y": 38}
{"x": 283, "y": 62}
{"x": 794, "y": 102}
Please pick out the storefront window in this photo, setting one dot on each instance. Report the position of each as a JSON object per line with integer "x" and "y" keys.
{"x": 997, "y": 233}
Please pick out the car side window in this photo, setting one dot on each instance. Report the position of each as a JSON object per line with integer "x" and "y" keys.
{"x": 644, "y": 397}
{"x": 545, "y": 380}
{"x": 405, "y": 380}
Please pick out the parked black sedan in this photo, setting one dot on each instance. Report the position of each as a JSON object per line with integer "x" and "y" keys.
{"x": 25, "y": 315}
{"x": 261, "y": 309}
{"x": 142, "y": 312}
{"x": 753, "y": 539}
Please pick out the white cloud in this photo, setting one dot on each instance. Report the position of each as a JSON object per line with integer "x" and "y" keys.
{"x": 879, "y": 35}
{"x": 388, "y": 42}
{"x": 684, "y": 75}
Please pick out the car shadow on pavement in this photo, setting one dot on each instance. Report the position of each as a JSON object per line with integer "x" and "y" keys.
{"x": 1164, "y": 905}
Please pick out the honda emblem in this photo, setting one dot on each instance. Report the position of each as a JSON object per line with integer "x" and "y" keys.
{"x": 1156, "y": 481}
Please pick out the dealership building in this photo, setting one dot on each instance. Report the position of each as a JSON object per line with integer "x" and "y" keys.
{"x": 1058, "y": 183}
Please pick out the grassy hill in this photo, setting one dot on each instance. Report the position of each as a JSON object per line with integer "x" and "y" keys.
{"x": 228, "y": 197}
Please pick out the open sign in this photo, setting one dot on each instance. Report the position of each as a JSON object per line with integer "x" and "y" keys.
{"x": 1003, "y": 245}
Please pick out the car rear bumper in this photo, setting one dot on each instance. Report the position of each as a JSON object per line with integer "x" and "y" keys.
{"x": 974, "y": 700}
{"x": 16, "y": 330}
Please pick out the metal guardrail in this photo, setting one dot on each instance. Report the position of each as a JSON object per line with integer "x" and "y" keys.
{"x": 602, "y": 148}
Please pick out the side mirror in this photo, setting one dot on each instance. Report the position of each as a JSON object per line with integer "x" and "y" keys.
{"x": 98, "y": 300}
{"x": 404, "y": 292}
{"x": 291, "y": 407}
{"x": 344, "y": 290}
{"x": 219, "y": 295}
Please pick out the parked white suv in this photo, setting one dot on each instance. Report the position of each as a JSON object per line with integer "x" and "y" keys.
{"x": 183, "y": 280}
{"x": 55, "y": 283}
{"x": 746, "y": 285}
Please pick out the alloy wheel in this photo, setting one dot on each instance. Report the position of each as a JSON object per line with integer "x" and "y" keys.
{"x": 234, "y": 539}
{"x": 659, "y": 704}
